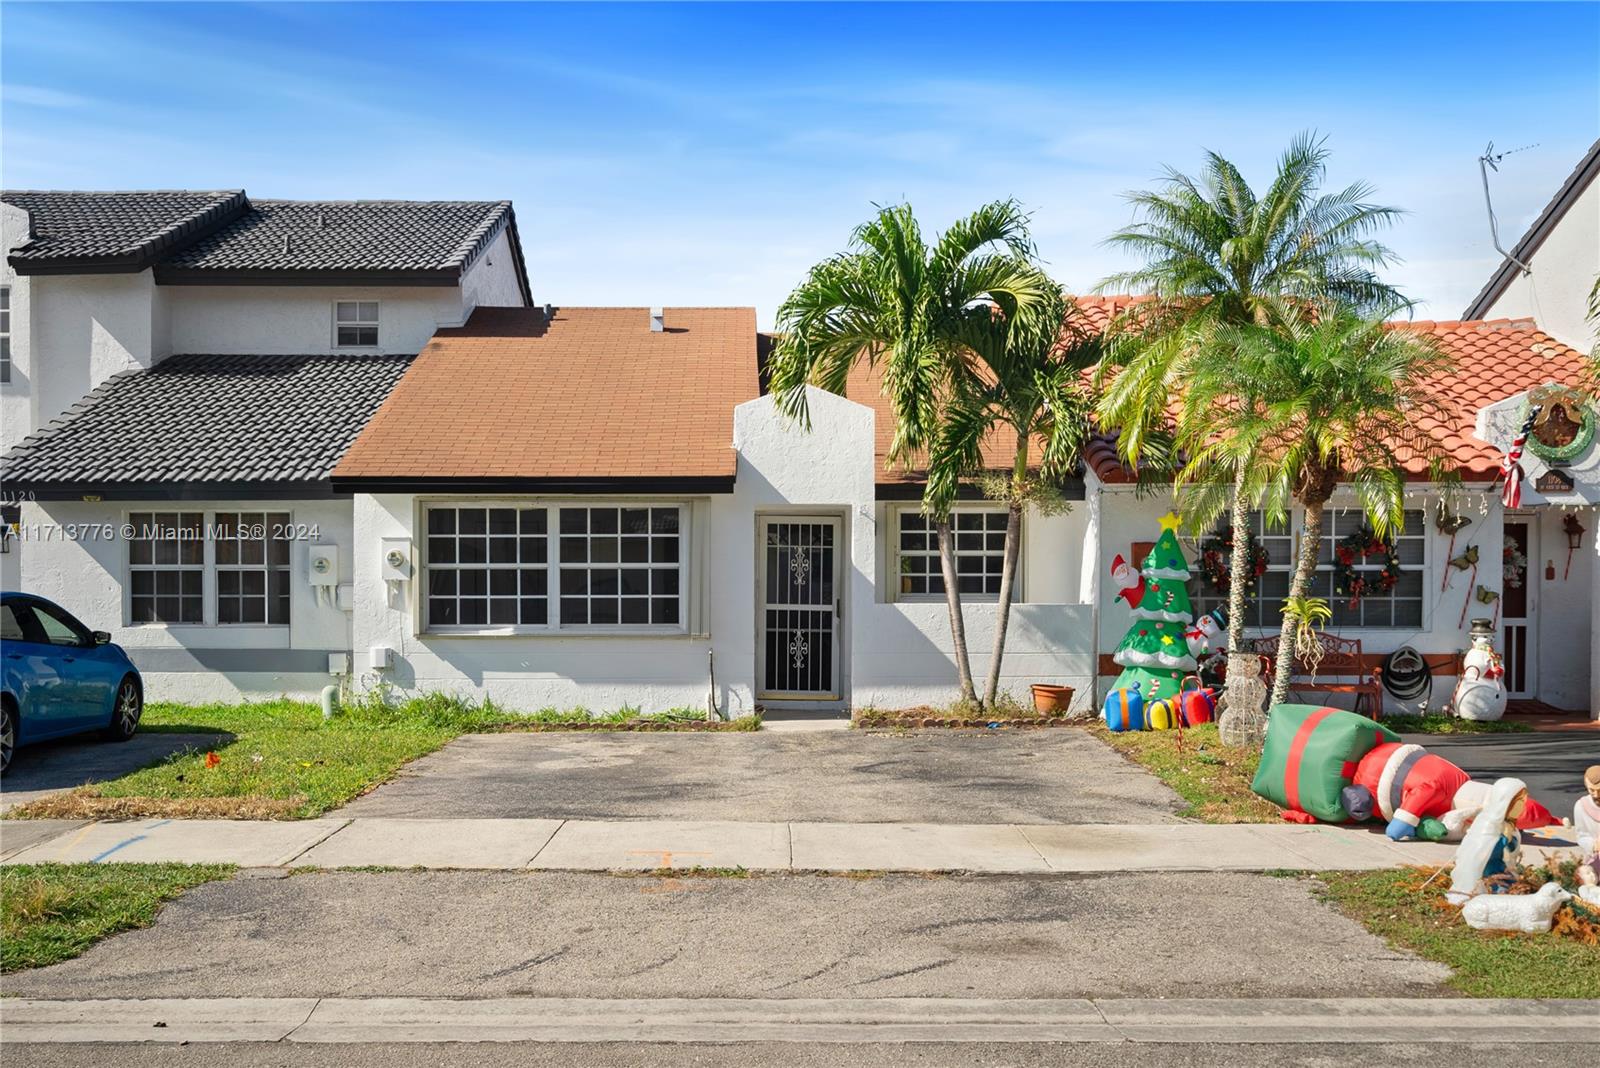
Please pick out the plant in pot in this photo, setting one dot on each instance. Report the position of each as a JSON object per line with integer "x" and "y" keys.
{"x": 1050, "y": 699}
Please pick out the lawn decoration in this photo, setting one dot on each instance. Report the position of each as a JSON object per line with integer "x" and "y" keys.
{"x": 1483, "y": 596}
{"x": 1130, "y": 586}
{"x": 1481, "y": 693}
{"x": 1448, "y": 521}
{"x": 1528, "y": 913}
{"x": 1562, "y": 423}
{"x": 1207, "y": 629}
{"x": 1124, "y": 710}
{"x": 1586, "y": 826}
{"x": 1154, "y": 653}
{"x": 1335, "y": 766}
{"x": 1310, "y": 756}
{"x": 1468, "y": 559}
{"x": 1163, "y": 715}
{"x": 1490, "y": 856}
{"x": 1511, "y": 466}
{"x": 1216, "y": 558}
{"x": 1574, "y": 531}
{"x": 1198, "y": 705}
{"x": 1347, "y": 581}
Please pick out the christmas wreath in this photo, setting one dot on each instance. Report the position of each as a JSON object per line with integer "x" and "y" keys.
{"x": 1348, "y": 582}
{"x": 1216, "y": 554}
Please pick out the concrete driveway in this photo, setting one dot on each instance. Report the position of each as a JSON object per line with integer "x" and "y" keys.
{"x": 1048, "y": 776}
{"x": 55, "y": 767}
{"x": 1550, "y": 762}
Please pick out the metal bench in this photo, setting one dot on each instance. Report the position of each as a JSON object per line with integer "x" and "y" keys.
{"x": 1341, "y": 660}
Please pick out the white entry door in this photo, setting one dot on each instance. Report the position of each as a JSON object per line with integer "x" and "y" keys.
{"x": 1518, "y": 617}
{"x": 798, "y": 605}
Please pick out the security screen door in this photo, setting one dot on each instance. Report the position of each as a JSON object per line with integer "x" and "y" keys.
{"x": 798, "y": 604}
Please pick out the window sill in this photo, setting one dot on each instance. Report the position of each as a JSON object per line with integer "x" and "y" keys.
{"x": 546, "y": 633}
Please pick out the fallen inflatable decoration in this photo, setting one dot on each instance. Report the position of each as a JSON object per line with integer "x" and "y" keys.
{"x": 1333, "y": 766}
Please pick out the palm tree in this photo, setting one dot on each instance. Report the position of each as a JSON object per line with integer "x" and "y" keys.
{"x": 892, "y": 298}
{"x": 1335, "y": 396}
{"x": 1026, "y": 377}
{"x": 1217, "y": 255}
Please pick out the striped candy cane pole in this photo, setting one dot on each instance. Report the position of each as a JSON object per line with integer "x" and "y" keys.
{"x": 1511, "y": 466}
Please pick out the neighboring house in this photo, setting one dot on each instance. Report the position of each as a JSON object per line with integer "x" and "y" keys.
{"x": 193, "y": 364}
{"x": 1550, "y": 272}
{"x": 599, "y": 507}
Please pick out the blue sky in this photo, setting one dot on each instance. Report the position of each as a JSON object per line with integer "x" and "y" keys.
{"x": 707, "y": 154}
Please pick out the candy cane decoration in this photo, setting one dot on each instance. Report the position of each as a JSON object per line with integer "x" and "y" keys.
{"x": 1511, "y": 466}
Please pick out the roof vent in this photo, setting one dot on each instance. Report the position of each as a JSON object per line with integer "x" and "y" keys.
{"x": 322, "y": 221}
{"x": 658, "y": 321}
{"x": 549, "y": 313}
{"x": 286, "y": 243}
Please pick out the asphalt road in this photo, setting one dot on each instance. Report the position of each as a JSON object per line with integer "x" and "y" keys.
{"x": 1045, "y": 776}
{"x": 1550, "y": 762}
{"x": 790, "y": 1055}
{"x": 548, "y": 934}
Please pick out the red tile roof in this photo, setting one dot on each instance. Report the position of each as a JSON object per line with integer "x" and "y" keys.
{"x": 592, "y": 395}
{"x": 1494, "y": 359}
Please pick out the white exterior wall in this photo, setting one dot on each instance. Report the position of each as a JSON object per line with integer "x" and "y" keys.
{"x": 894, "y": 654}
{"x": 195, "y": 662}
{"x": 492, "y": 282}
{"x": 1129, "y": 518}
{"x": 16, "y": 397}
{"x": 84, "y": 329}
{"x": 299, "y": 319}
{"x": 1565, "y": 265}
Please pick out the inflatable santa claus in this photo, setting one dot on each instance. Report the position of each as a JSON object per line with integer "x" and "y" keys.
{"x": 1406, "y": 785}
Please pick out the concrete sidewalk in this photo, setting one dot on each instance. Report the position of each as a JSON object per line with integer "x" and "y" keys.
{"x": 594, "y": 845}
{"x": 1109, "y": 1020}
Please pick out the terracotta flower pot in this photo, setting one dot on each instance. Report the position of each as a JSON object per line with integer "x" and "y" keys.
{"x": 1048, "y": 698}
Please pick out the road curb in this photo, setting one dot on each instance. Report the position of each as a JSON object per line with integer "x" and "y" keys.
{"x": 1365, "y": 1021}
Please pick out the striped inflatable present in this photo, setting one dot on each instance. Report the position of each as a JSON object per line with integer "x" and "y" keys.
{"x": 1124, "y": 710}
{"x": 1163, "y": 715}
{"x": 1310, "y": 755}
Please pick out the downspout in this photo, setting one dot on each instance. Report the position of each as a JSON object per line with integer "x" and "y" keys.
{"x": 1091, "y": 576}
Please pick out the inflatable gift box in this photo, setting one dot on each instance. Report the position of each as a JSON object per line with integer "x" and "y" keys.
{"x": 1310, "y": 756}
{"x": 1124, "y": 710}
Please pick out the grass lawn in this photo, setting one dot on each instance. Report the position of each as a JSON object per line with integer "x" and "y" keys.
{"x": 1491, "y": 964}
{"x": 281, "y": 760}
{"x": 53, "y": 912}
{"x": 1214, "y": 778}
{"x": 1439, "y": 723}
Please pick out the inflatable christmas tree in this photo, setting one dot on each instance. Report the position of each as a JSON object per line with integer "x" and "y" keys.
{"x": 1155, "y": 653}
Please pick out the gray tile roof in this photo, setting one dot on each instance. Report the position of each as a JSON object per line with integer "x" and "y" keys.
{"x": 360, "y": 235}
{"x": 114, "y": 230}
{"x": 206, "y": 419}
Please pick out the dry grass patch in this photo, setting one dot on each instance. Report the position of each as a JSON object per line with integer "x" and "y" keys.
{"x": 84, "y": 803}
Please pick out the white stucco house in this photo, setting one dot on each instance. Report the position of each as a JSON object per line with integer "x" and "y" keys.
{"x": 343, "y": 441}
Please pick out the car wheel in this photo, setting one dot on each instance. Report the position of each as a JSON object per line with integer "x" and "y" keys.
{"x": 126, "y": 712}
{"x": 8, "y": 735}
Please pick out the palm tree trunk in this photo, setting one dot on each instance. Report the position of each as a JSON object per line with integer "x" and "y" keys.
{"x": 1008, "y": 568}
{"x": 1305, "y": 567}
{"x": 1242, "y": 719}
{"x": 952, "y": 600}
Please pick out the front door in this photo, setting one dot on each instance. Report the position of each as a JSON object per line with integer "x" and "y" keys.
{"x": 1517, "y": 607}
{"x": 798, "y": 608}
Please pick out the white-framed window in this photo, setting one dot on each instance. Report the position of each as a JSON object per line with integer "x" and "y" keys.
{"x": 355, "y": 323}
{"x": 166, "y": 567}
{"x": 488, "y": 565}
{"x": 545, "y": 566}
{"x": 5, "y": 334}
{"x": 1400, "y": 607}
{"x": 252, "y": 564}
{"x": 979, "y": 534}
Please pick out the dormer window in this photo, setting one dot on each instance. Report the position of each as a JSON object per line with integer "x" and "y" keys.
{"x": 355, "y": 324}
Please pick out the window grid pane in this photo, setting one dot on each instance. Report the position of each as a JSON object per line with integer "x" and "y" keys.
{"x": 620, "y": 566}
{"x": 979, "y": 542}
{"x": 252, "y": 558}
{"x": 1400, "y": 607}
{"x": 487, "y": 566}
{"x": 355, "y": 323}
{"x": 166, "y": 564}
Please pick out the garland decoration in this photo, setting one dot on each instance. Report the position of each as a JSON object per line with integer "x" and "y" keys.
{"x": 1216, "y": 553}
{"x": 1348, "y": 582}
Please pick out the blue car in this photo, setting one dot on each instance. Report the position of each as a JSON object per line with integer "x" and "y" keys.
{"x": 61, "y": 678}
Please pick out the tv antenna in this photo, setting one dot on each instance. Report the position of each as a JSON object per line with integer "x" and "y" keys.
{"x": 1490, "y": 161}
